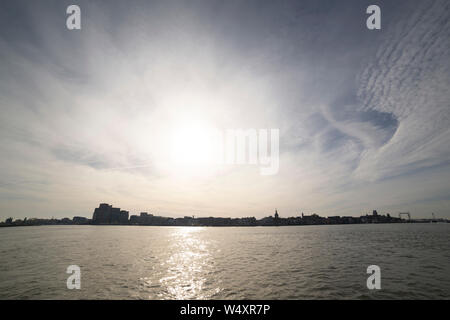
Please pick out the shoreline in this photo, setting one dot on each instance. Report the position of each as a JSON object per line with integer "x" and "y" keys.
{"x": 223, "y": 226}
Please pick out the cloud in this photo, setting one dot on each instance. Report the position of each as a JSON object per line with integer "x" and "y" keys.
{"x": 86, "y": 115}
{"x": 409, "y": 78}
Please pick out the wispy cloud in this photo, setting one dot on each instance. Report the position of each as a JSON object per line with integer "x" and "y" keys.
{"x": 86, "y": 115}
{"x": 409, "y": 78}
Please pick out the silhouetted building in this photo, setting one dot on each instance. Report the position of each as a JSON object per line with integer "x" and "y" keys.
{"x": 313, "y": 219}
{"x": 134, "y": 219}
{"x": 123, "y": 217}
{"x": 102, "y": 214}
{"x": 145, "y": 218}
{"x": 276, "y": 218}
{"x": 80, "y": 220}
{"x": 334, "y": 220}
{"x": 115, "y": 216}
{"x": 106, "y": 214}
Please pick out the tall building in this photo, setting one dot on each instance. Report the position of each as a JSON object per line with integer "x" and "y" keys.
{"x": 115, "y": 216}
{"x": 102, "y": 214}
{"x": 107, "y": 214}
{"x": 123, "y": 219}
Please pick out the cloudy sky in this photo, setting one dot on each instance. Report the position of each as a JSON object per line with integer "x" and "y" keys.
{"x": 87, "y": 115}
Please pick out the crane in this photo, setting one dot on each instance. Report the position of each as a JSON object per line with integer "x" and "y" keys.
{"x": 404, "y": 213}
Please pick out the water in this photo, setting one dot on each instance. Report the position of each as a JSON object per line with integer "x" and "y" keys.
{"x": 298, "y": 262}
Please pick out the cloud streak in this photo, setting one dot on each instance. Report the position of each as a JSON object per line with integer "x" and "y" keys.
{"x": 363, "y": 116}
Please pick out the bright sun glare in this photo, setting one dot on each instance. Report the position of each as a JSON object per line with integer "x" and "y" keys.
{"x": 193, "y": 145}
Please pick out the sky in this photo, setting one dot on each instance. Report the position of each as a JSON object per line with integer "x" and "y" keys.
{"x": 88, "y": 116}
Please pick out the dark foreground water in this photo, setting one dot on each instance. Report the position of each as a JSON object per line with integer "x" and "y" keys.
{"x": 298, "y": 262}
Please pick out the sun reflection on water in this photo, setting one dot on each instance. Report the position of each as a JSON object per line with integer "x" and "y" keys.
{"x": 188, "y": 266}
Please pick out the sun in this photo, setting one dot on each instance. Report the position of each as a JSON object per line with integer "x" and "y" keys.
{"x": 193, "y": 144}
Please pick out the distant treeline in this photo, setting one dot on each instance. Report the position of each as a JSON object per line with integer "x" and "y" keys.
{"x": 107, "y": 215}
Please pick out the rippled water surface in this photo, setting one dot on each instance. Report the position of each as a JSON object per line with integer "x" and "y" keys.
{"x": 298, "y": 262}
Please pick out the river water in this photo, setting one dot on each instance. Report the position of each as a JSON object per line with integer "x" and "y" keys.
{"x": 298, "y": 262}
